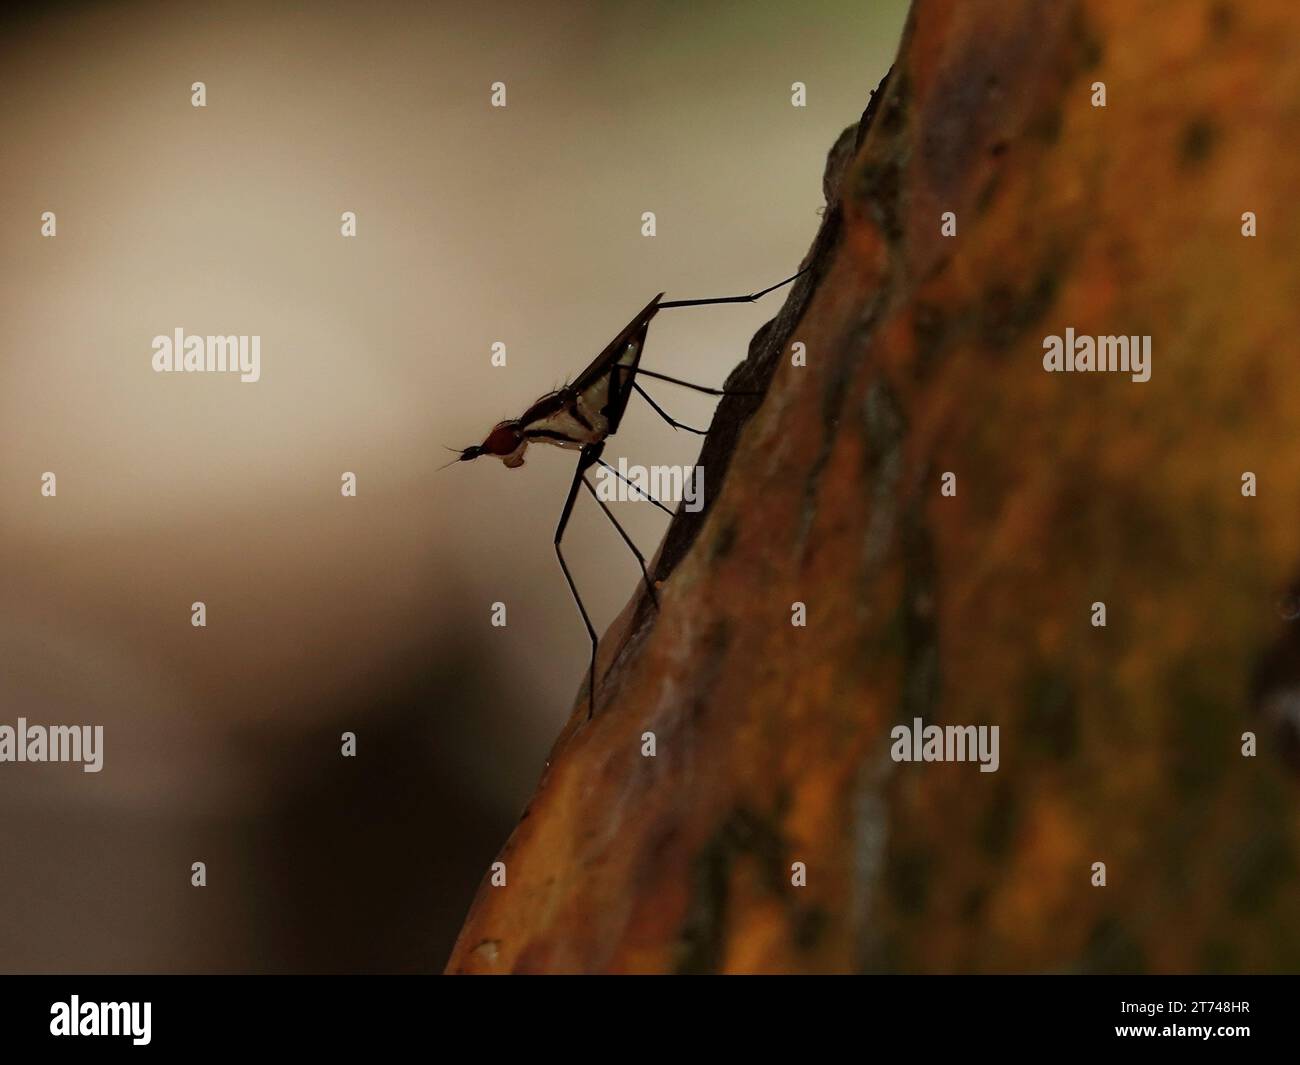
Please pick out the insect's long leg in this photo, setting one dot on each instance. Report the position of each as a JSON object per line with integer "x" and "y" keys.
{"x": 589, "y": 455}
{"x": 665, "y": 415}
{"x": 734, "y": 299}
{"x": 636, "y": 488}
{"x": 698, "y": 388}
{"x": 640, "y": 558}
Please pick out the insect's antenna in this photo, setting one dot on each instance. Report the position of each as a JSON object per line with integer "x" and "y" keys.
{"x": 736, "y": 299}
{"x": 453, "y": 461}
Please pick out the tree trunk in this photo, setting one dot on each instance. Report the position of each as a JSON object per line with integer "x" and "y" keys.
{"x": 1119, "y": 743}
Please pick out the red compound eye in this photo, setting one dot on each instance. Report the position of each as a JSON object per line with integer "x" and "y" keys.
{"x": 502, "y": 440}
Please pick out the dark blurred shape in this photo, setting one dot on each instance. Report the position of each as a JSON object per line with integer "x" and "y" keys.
{"x": 369, "y": 863}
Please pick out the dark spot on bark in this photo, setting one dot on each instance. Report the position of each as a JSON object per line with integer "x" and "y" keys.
{"x": 893, "y": 115}
{"x": 914, "y": 628}
{"x": 703, "y": 936}
{"x": 879, "y": 186}
{"x": 975, "y": 94}
{"x": 1006, "y": 313}
{"x": 716, "y": 641}
{"x": 1049, "y": 724}
{"x": 810, "y": 925}
{"x": 834, "y": 392}
{"x": 973, "y": 903}
{"x": 998, "y": 824}
{"x": 1197, "y": 142}
{"x": 988, "y": 191}
{"x": 883, "y": 425}
{"x": 929, "y": 336}
{"x": 1221, "y": 17}
{"x": 745, "y": 833}
{"x": 1046, "y": 124}
{"x": 879, "y": 179}
{"x": 922, "y": 677}
{"x": 725, "y": 540}
{"x": 1091, "y": 50}
{"x": 908, "y": 876}
{"x": 999, "y": 303}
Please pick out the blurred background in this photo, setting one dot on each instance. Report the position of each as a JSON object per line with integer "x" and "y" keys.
{"x": 325, "y": 614}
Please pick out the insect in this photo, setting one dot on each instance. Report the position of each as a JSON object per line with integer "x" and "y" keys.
{"x": 582, "y": 415}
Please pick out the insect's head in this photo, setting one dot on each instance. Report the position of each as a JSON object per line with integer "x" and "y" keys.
{"x": 505, "y": 442}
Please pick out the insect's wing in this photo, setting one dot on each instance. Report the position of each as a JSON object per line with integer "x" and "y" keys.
{"x": 607, "y": 382}
{"x": 634, "y": 330}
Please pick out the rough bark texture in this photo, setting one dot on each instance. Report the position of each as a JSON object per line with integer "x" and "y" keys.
{"x": 1119, "y": 744}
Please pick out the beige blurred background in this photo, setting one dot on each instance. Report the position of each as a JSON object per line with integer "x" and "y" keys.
{"x": 328, "y": 614}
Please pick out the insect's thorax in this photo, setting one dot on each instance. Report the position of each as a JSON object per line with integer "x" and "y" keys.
{"x": 575, "y": 417}
{"x": 573, "y": 420}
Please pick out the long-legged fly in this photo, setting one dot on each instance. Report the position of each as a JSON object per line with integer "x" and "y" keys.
{"x": 582, "y": 415}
